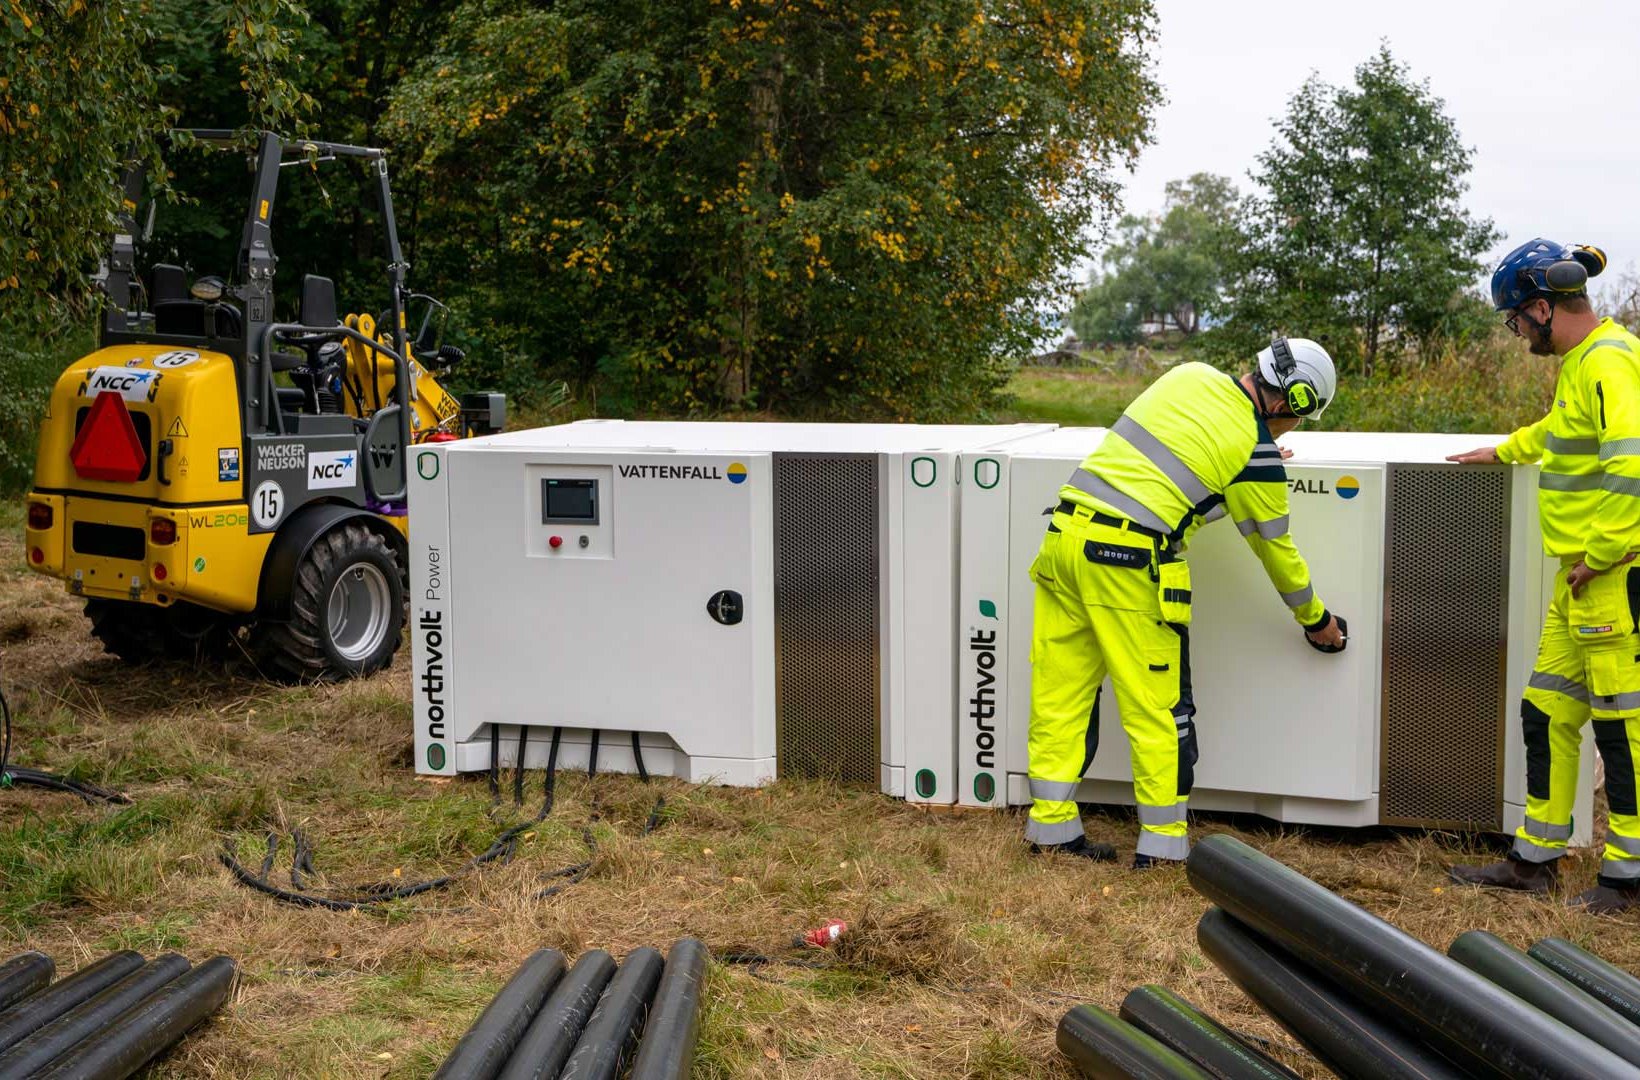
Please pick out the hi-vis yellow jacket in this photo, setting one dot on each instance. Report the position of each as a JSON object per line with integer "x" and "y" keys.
{"x": 1589, "y": 489}
{"x": 1192, "y": 449}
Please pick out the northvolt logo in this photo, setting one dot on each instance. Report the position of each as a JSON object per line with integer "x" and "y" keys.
{"x": 982, "y": 707}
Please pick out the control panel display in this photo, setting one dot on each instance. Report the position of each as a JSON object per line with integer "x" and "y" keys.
{"x": 569, "y": 502}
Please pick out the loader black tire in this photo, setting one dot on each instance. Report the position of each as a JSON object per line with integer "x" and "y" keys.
{"x": 141, "y": 633}
{"x": 127, "y": 629}
{"x": 346, "y": 611}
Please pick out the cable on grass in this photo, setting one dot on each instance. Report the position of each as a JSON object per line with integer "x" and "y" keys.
{"x": 502, "y": 849}
{"x": 22, "y": 776}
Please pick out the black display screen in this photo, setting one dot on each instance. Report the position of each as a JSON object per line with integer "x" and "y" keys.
{"x": 565, "y": 501}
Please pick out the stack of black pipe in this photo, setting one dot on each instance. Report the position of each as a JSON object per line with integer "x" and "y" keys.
{"x": 108, "y": 1019}
{"x": 1366, "y": 999}
{"x": 582, "y": 1023}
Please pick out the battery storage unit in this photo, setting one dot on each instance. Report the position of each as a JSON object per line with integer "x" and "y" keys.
{"x": 746, "y": 600}
{"x": 1438, "y": 569}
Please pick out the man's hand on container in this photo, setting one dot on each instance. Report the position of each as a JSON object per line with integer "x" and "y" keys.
{"x": 1330, "y": 638}
{"x": 1486, "y": 455}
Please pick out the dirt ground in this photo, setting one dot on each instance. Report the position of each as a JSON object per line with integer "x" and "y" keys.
{"x": 963, "y": 951}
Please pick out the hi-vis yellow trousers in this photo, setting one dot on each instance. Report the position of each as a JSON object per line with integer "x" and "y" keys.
{"x": 1588, "y": 666}
{"x": 1100, "y": 595}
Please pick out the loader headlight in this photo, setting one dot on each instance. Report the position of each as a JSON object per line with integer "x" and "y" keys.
{"x": 208, "y": 288}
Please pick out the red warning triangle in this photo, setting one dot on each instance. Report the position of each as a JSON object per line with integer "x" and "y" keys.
{"x": 107, "y": 447}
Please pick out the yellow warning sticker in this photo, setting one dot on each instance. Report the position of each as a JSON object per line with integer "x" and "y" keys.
{"x": 177, "y": 430}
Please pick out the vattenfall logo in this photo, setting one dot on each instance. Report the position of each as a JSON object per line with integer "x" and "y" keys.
{"x": 734, "y": 472}
{"x": 1345, "y": 487}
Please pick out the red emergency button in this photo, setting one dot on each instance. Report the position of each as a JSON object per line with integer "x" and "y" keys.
{"x": 555, "y": 542}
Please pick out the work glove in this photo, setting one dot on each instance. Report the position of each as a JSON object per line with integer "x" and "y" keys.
{"x": 1343, "y": 633}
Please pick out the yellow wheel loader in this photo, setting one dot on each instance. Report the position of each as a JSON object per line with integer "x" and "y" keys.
{"x": 212, "y": 475}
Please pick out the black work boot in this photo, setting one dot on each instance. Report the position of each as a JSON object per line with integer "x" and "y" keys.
{"x": 1610, "y": 896}
{"x": 1147, "y": 862}
{"x": 1081, "y": 847}
{"x": 1513, "y": 873}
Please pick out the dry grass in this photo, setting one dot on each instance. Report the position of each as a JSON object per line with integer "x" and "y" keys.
{"x": 963, "y": 954}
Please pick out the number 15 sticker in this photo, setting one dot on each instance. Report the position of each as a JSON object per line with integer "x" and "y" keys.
{"x": 268, "y": 503}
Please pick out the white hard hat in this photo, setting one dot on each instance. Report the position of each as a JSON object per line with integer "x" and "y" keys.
{"x": 1303, "y": 372}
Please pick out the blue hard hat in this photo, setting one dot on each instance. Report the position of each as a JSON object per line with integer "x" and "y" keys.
{"x": 1543, "y": 268}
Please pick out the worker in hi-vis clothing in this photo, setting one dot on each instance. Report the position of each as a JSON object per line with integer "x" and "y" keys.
{"x": 1588, "y": 661}
{"x": 1113, "y": 589}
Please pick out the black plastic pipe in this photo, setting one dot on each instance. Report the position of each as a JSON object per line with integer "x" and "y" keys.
{"x": 57, "y": 1038}
{"x": 1478, "y": 1025}
{"x": 47, "y": 1005}
{"x": 616, "y": 1020}
{"x": 541, "y": 1053}
{"x": 1348, "y": 1039}
{"x": 22, "y": 975}
{"x": 668, "y": 1046}
{"x": 1608, "y": 984}
{"x": 1185, "y": 1029}
{"x": 147, "y": 1030}
{"x": 1493, "y": 958}
{"x": 483, "y": 1051}
{"x": 1105, "y": 1048}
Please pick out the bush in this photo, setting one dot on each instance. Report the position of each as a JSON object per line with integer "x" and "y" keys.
{"x": 27, "y": 373}
{"x": 1491, "y": 385}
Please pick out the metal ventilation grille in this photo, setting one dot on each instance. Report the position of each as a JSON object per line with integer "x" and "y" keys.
{"x": 1446, "y": 603}
{"x": 826, "y": 616}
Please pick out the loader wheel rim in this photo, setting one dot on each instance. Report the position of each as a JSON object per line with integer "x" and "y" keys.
{"x": 357, "y": 614}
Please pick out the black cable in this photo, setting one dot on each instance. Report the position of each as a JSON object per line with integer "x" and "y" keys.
{"x": 495, "y": 764}
{"x": 22, "y": 776}
{"x": 592, "y": 761}
{"x": 518, "y": 769}
{"x": 369, "y": 896}
{"x": 637, "y": 755}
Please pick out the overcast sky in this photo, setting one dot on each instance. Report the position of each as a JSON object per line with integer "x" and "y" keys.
{"x": 1546, "y": 94}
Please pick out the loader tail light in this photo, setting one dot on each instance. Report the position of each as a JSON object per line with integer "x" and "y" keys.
{"x": 36, "y": 556}
{"x": 159, "y": 571}
{"x": 162, "y": 531}
{"x": 40, "y": 516}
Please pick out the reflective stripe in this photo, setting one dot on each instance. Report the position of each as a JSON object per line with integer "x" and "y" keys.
{"x": 1558, "y": 445}
{"x": 1628, "y": 845}
{"x": 1161, "y": 815}
{"x": 1619, "y": 448}
{"x": 1274, "y": 529}
{"x": 1053, "y": 790}
{"x": 1218, "y": 510}
{"x": 1615, "y": 343}
{"x": 1629, "y": 702}
{"x": 1549, "y": 481}
{"x": 1161, "y": 457}
{"x": 1299, "y": 597}
{"x": 1558, "y": 684}
{"x": 1126, "y": 505}
{"x": 1060, "y": 832}
{"x": 1537, "y": 853}
{"x": 1545, "y": 831}
{"x": 1620, "y": 868}
{"x": 1266, "y": 451}
{"x": 1622, "y": 485}
{"x": 1159, "y": 846}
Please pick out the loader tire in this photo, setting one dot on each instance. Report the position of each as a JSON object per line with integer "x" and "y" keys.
{"x": 346, "y": 611}
{"x": 140, "y": 633}
{"x": 127, "y": 629}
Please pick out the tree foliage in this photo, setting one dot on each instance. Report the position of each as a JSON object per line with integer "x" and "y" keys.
{"x": 1168, "y": 264}
{"x": 1358, "y": 237}
{"x": 798, "y": 205}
